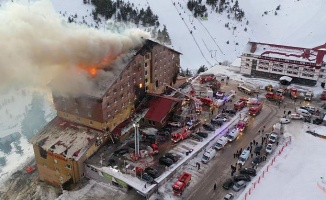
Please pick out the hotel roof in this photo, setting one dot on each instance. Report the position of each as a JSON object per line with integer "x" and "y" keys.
{"x": 313, "y": 56}
{"x": 65, "y": 138}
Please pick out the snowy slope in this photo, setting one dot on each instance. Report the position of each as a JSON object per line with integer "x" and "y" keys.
{"x": 297, "y": 23}
{"x": 17, "y": 116}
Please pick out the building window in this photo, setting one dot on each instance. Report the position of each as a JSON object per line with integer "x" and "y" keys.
{"x": 145, "y": 72}
{"x": 146, "y": 88}
{"x": 122, "y": 96}
{"x": 114, "y": 91}
{"x": 68, "y": 166}
{"x": 91, "y": 123}
{"x": 146, "y": 80}
{"x": 145, "y": 64}
{"x": 108, "y": 104}
{"x": 115, "y": 100}
{"x": 156, "y": 83}
{"x": 320, "y": 76}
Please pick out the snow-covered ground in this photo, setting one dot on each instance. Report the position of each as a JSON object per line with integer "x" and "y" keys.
{"x": 297, "y": 171}
{"x": 23, "y": 111}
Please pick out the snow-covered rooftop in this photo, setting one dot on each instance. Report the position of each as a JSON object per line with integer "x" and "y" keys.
{"x": 65, "y": 138}
{"x": 284, "y": 52}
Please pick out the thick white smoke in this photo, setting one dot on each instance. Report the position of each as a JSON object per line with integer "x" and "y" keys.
{"x": 37, "y": 45}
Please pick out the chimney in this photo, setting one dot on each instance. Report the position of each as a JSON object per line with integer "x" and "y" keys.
{"x": 306, "y": 53}
{"x": 253, "y": 47}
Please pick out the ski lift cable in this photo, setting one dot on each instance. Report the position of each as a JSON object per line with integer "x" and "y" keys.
{"x": 192, "y": 35}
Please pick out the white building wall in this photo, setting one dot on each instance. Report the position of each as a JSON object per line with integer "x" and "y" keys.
{"x": 245, "y": 67}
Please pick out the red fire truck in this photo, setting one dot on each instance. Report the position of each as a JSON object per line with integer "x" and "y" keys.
{"x": 239, "y": 105}
{"x": 255, "y": 110}
{"x": 181, "y": 184}
{"x": 180, "y": 134}
{"x": 207, "y": 78}
{"x": 206, "y": 101}
{"x": 274, "y": 96}
{"x": 294, "y": 93}
{"x": 323, "y": 95}
{"x": 242, "y": 124}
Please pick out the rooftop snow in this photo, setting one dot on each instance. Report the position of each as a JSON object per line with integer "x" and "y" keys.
{"x": 65, "y": 138}
{"x": 283, "y": 52}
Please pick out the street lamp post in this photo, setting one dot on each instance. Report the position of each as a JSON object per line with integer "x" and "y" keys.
{"x": 136, "y": 126}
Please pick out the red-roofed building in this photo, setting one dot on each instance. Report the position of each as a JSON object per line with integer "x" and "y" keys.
{"x": 303, "y": 65}
{"x": 160, "y": 109}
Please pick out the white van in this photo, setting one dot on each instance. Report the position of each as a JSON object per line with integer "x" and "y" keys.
{"x": 273, "y": 137}
{"x": 208, "y": 155}
{"x": 233, "y": 135}
{"x": 303, "y": 112}
{"x": 243, "y": 157}
{"x": 221, "y": 143}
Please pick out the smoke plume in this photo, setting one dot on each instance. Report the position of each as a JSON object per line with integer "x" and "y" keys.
{"x": 37, "y": 45}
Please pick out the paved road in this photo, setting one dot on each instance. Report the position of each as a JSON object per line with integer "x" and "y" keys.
{"x": 221, "y": 170}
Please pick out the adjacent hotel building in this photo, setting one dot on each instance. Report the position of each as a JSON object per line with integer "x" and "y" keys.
{"x": 304, "y": 65}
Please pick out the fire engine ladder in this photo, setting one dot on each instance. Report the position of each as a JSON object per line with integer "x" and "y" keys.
{"x": 187, "y": 95}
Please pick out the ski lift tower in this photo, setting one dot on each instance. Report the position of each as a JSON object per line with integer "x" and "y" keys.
{"x": 136, "y": 126}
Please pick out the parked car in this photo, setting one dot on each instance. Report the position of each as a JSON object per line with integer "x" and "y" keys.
{"x": 147, "y": 178}
{"x": 120, "y": 152}
{"x": 176, "y": 124}
{"x": 228, "y": 196}
{"x": 258, "y": 149}
{"x": 310, "y": 109}
{"x": 217, "y": 121}
{"x": 222, "y": 117}
{"x": 242, "y": 177}
{"x": 317, "y": 121}
{"x": 295, "y": 116}
{"x": 208, "y": 127}
{"x": 174, "y": 157}
{"x": 284, "y": 120}
{"x": 202, "y": 134}
{"x": 269, "y": 148}
{"x": 257, "y": 160}
{"x": 233, "y": 112}
{"x": 248, "y": 171}
{"x": 228, "y": 184}
{"x": 273, "y": 137}
{"x": 239, "y": 185}
{"x": 152, "y": 172}
{"x": 196, "y": 137}
{"x": 166, "y": 161}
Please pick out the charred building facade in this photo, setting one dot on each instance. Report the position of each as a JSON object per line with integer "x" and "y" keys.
{"x": 84, "y": 123}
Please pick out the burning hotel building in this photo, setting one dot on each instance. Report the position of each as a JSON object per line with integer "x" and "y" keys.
{"x": 85, "y": 123}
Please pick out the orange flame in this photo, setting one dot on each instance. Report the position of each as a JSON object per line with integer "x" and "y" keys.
{"x": 93, "y": 69}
